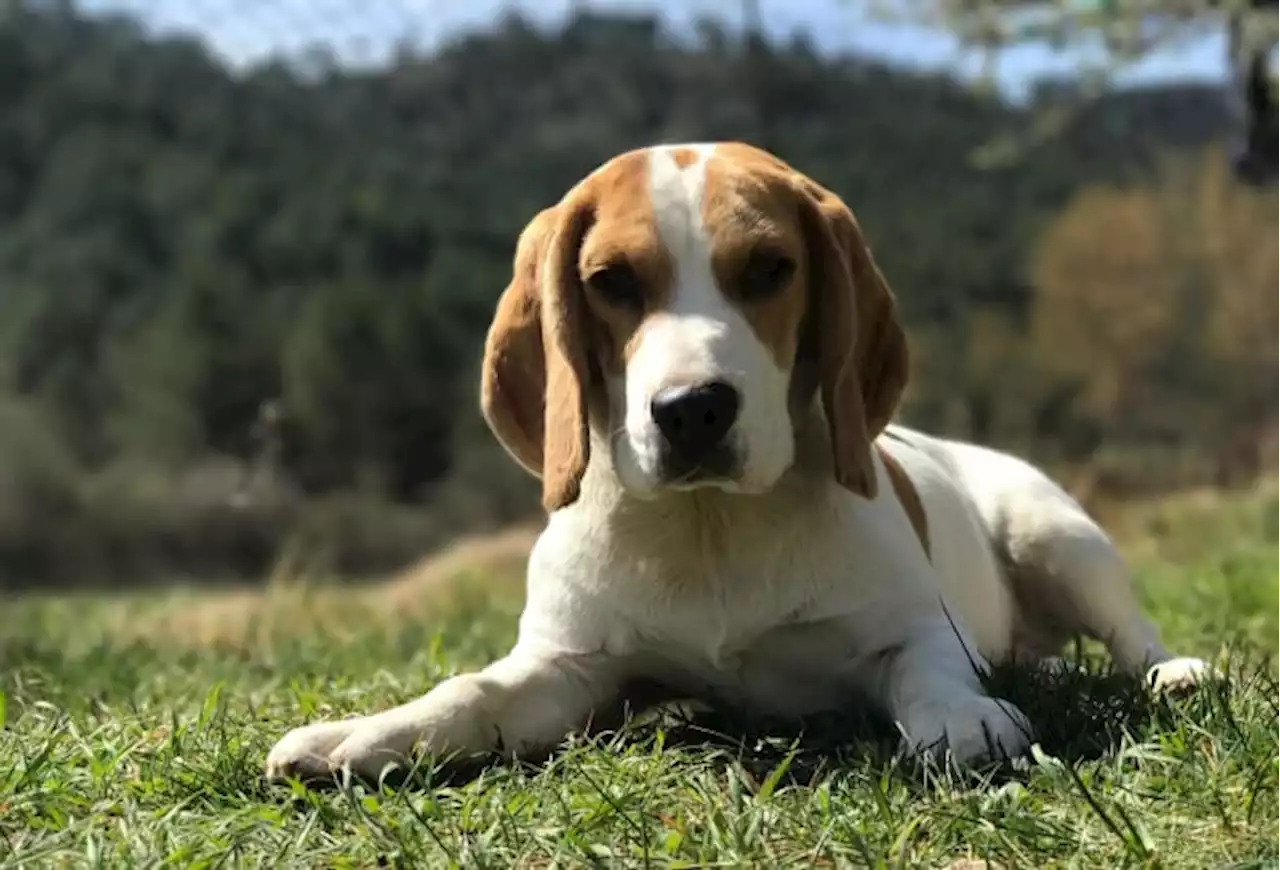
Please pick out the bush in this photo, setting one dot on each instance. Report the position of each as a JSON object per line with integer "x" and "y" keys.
{"x": 137, "y": 523}
{"x": 39, "y": 503}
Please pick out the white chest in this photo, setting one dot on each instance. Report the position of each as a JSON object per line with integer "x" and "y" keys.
{"x": 746, "y": 630}
{"x": 770, "y": 608}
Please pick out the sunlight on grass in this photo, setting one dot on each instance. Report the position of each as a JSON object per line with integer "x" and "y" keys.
{"x": 134, "y": 731}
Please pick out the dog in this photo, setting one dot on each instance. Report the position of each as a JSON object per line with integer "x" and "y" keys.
{"x": 699, "y": 357}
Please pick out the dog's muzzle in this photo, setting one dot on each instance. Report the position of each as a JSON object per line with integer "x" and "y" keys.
{"x": 695, "y": 422}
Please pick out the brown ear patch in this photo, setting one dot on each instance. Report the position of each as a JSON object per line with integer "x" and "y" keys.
{"x": 862, "y": 353}
{"x": 535, "y": 362}
{"x": 513, "y": 379}
{"x": 565, "y": 344}
{"x": 906, "y": 492}
{"x": 543, "y": 346}
{"x": 881, "y": 357}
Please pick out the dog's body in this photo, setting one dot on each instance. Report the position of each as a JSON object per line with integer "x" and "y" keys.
{"x": 699, "y": 357}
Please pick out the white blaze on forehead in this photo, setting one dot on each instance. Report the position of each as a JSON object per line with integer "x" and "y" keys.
{"x": 685, "y": 342}
{"x": 677, "y": 192}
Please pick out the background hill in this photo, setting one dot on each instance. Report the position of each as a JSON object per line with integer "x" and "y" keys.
{"x": 241, "y": 309}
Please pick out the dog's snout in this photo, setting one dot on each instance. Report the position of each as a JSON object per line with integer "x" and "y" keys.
{"x": 695, "y": 419}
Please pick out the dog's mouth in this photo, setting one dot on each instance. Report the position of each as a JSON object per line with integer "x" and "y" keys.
{"x": 718, "y": 468}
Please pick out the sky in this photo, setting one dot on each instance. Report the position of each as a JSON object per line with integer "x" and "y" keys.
{"x": 364, "y": 31}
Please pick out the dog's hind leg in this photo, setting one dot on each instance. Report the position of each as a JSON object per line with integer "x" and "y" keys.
{"x": 1070, "y": 579}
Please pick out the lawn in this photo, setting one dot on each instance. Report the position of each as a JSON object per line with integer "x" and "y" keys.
{"x": 135, "y": 727}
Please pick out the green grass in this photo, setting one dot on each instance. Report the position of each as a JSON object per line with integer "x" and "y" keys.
{"x": 130, "y": 737}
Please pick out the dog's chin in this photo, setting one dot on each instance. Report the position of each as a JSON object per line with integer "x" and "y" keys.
{"x": 658, "y": 486}
{"x": 737, "y": 484}
{"x": 650, "y": 474}
{"x": 700, "y": 484}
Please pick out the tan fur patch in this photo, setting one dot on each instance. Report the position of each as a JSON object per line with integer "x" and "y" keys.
{"x": 684, "y": 157}
{"x": 907, "y": 494}
{"x": 747, "y": 206}
{"x": 625, "y": 230}
{"x": 513, "y": 382}
{"x": 537, "y": 369}
{"x": 862, "y": 359}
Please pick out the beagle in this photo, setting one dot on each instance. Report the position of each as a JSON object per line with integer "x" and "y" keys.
{"x": 699, "y": 357}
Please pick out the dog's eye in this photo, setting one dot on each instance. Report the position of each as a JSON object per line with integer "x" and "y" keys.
{"x": 618, "y": 285}
{"x": 766, "y": 273}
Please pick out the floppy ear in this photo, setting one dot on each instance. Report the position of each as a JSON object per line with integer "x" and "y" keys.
{"x": 862, "y": 351}
{"x": 513, "y": 374}
{"x": 535, "y": 371}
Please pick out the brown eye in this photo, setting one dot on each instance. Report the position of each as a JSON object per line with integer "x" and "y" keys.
{"x": 618, "y": 285}
{"x": 766, "y": 273}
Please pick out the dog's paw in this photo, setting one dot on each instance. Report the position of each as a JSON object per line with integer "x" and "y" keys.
{"x": 303, "y": 753}
{"x": 972, "y": 731}
{"x": 370, "y": 756}
{"x": 450, "y": 720}
{"x": 1178, "y": 675}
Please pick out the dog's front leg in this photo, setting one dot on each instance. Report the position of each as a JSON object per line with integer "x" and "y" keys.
{"x": 928, "y": 681}
{"x": 521, "y": 704}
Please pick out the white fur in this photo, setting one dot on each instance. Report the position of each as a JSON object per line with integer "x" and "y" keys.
{"x": 798, "y": 598}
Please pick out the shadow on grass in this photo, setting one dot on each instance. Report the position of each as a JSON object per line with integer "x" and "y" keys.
{"x": 1079, "y": 713}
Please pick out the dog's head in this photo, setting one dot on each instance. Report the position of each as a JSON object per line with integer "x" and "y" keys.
{"x": 686, "y": 304}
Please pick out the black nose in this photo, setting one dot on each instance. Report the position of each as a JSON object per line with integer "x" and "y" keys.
{"x": 694, "y": 420}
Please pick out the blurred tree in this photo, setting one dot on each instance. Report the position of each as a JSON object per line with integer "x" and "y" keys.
{"x": 1233, "y": 233}
{"x": 1125, "y": 31}
{"x": 1128, "y": 29}
{"x": 1159, "y": 304}
{"x": 1106, "y": 296}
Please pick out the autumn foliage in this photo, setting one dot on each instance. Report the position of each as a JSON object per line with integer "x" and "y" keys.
{"x": 1157, "y": 304}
